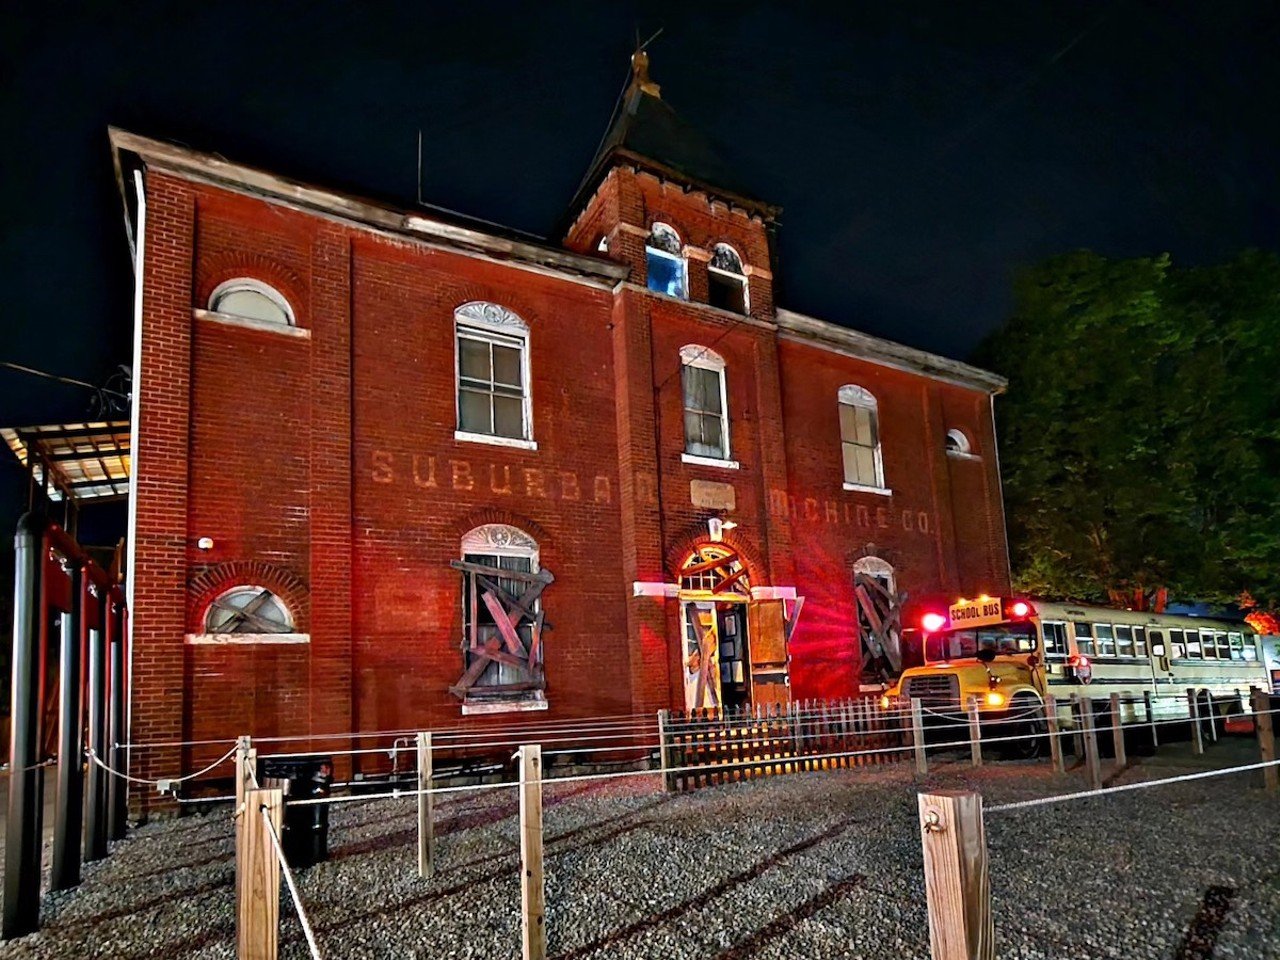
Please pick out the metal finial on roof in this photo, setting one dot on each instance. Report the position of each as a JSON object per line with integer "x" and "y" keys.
{"x": 640, "y": 74}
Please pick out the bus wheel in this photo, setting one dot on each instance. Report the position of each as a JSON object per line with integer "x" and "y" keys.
{"x": 1026, "y": 721}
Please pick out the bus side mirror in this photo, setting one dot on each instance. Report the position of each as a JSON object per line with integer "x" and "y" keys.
{"x": 1158, "y": 649}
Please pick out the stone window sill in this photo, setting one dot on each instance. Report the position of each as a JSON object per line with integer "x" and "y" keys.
{"x": 466, "y": 437}
{"x": 248, "y": 323}
{"x": 709, "y": 461}
{"x": 864, "y": 488}
{"x": 245, "y": 639}
{"x": 474, "y": 707}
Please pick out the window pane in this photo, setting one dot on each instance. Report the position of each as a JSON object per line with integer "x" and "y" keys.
{"x": 727, "y": 293}
{"x": 850, "y": 463}
{"x": 848, "y": 422}
{"x": 1124, "y": 640}
{"x": 506, "y": 366}
{"x": 864, "y": 433}
{"x": 473, "y": 412}
{"x": 1140, "y": 641}
{"x": 712, "y": 435}
{"x": 666, "y": 274}
{"x": 508, "y": 417}
{"x": 1084, "y": 638}
{"x": 252, "y": 305}
{"x": 866, "y": 466}
{"x": 473, "y": 359}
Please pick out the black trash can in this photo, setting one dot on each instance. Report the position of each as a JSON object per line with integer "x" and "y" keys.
{"x": 305, "y": 838}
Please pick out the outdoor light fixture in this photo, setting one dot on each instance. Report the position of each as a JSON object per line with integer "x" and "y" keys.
{"x": 729, "y": 524}
{"x": 995, "y": 699}
{"x": 205, "y": 543}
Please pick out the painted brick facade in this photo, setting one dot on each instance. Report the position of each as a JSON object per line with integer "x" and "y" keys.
{"x": 322, "y": 461}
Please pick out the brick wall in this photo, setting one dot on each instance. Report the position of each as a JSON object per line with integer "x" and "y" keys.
{"x": 325, "y": 468}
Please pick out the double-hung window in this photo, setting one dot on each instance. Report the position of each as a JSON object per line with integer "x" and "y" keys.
{"x": 1055, "y": 639}
{"x": 664, "y": 261}
{"x": 1084, "y": 638}
{"x": 860, "y": 439}
{"x": 493, "y": 375}
{"x": 1124, "y": 640}
{"x": 1102, "y": 632}
{"x": 706, "y": 406}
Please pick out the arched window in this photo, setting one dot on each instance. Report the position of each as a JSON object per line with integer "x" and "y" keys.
{"x": 664, "y": 255}
{"x": 958, "y": 443}
{"x": 726, "y": 280}
{"x": 248, "y": 609}
{"x": 493, "y": 375}
{"x": 860, "y": 439}
{"x": 250, "y": 299}
{"x": 490, "y": 551}
{"x": 706, "y": 405}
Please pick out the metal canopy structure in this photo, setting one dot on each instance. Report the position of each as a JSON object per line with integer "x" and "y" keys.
{"x": 74, "y": 462}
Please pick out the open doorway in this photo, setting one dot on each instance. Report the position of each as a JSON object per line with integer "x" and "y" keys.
{"x": 715, "y": 647}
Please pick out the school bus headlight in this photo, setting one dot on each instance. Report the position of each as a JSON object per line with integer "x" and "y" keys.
{"x": 884, "y": 702}
{"x": 995, "y": 699}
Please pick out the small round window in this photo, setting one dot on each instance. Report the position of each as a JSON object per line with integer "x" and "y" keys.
{"x": 248, "y": 610}
{"x": 958, "y": 442}
{"x": 251, "y": 300}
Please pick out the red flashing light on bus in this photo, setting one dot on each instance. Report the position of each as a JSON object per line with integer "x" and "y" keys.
{"x": 1019, "y": 609}
{"x": 933, "y": 622}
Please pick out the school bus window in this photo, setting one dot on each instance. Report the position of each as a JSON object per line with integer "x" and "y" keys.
{"x": 1084, "y": 638}
{"x": 1124, "y": 640}
{"x": 1250, "y": 648}
{"x": 1206, "y": 645}
{"x": 1177, "y": 649}
{"x": 1193, "y": 645}
{"x": 1237, "y": 646}
{"x": 1139, "y": 641}
{"x": 1055, "y": 639}
{"x": 1224, "y": 648}
{"x": 1106, "y": 639}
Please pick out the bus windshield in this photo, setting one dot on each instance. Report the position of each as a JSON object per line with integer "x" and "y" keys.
{"x": 1000, "y": 639}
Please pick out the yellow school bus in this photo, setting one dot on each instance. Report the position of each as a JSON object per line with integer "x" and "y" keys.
{"x": 1012, "y": 653}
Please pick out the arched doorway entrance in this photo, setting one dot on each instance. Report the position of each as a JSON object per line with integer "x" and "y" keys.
{"x": 715, "y": 594}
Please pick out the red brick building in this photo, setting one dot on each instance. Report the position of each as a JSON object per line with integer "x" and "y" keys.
{"x": 347, "y": 413}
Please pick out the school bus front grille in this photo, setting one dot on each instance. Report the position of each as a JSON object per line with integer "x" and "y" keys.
{"x": 935, "y": 690}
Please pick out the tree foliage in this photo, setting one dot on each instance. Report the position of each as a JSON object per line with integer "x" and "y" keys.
{"x": 1140, "y": 438}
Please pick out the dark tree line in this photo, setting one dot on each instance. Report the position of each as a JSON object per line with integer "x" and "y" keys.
{"x": 1140, "y": 437}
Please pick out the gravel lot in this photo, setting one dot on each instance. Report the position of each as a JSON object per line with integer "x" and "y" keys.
{"x": 810, "y": 865}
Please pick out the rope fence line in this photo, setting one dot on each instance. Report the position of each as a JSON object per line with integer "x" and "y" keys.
{"x": 1122, "y": 788}
{"x": 293, "y": 887}
{"x": 93, "y": 757}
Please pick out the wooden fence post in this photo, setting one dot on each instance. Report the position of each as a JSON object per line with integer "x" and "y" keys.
{"x": 246, "y": 779}
{"x": 668, "y": 779}
{"x": 1193, "y": 711}
{"x": 534, "y": 937}
{"x": 956, "y": 878}
{"x": 1262, "y": 723}
{"x": 917, "y": 736}
{"x": 1092, "y": 766}
{"x": 975, "y": 733}
{"x": 258, "y": 877}
{"x": 1117, "y": 731}
{"x": 1151, "y": 718}
{"x": 426, "y": 810}
{"x": 1055, "y": 741}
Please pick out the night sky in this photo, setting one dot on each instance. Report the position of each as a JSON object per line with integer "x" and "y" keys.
{"x": 920, "y": 153}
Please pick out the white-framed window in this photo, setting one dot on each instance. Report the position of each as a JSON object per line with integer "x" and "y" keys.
{"x": 1124, "y": 640}
{"x": 248, "y": 609}
{"x": 249, "y": 299}
{"x": 706, "y": 403}
{"x": 726, "y": 280}
{"x": 860, "y": 438}
{"x": 1139, "y": 641}
{"x": 1054, "y": 633}
{"x": 1084, "y": 638}
{"x": 1194, "y": 651}
{"x": 958, "y": 444}
{"x": 666, "y": 269}
{"x": 1177, "y": 645}
{"x": 502, "y": 547}
{"x": 1106, "y": 640}
{"x": 494, "y": 401}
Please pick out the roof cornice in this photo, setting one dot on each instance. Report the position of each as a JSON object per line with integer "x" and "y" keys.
{"x": 832, "y": 336}
{"x": 207, "y": 167}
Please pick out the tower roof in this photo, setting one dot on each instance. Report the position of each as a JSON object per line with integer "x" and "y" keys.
{"x": 646, "y": 132}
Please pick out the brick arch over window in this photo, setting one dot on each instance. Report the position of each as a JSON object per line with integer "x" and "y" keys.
{"x": 211, "y": 583}
{"x": 507, "y": 518}
{"x": 483, "y": 293}
{"x": 230, "y": 266}
{"x": 696, "y": 535}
